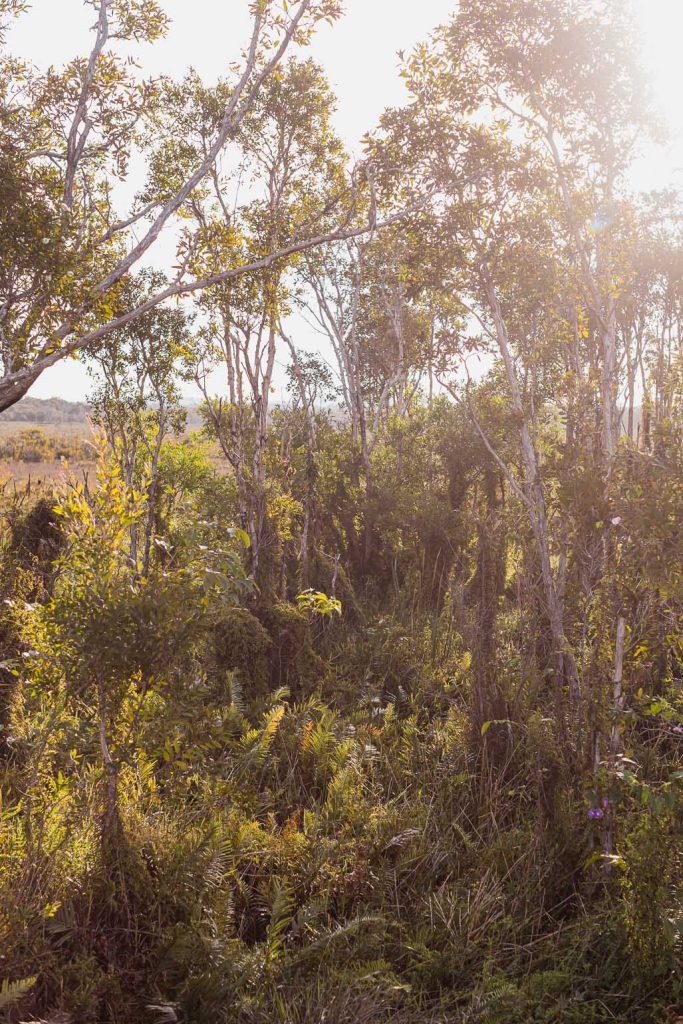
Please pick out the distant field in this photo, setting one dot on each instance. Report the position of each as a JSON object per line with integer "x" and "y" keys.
{"x": 39, "y": 473}
{"x": 10, "y": 427}
{"x": 20, "y": 472}
{"x": 58, "y": 421}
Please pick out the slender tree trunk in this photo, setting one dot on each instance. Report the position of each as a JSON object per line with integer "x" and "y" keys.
{"x": 261, "y": 416}
{"x": 615, "y": 733}
{"x": 489, "y": 580}
{"x": 110, "y": 768}
{"x": 565, "y": 666}
{"x": 311, "y": 468}
{"x": 608, "y": 381}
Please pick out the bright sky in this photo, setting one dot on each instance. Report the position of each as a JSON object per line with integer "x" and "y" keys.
{"x": 360, "y": 57}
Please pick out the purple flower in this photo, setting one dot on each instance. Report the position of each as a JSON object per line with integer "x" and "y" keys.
{"x": 596, "y": 812}
{"x": 605, "y": 802}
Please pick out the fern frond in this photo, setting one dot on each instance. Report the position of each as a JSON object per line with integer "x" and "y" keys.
{"x": 485, "y": 1008}
{"x": 162, "y": 1014}
{"x": 281, "y": 915}
{"x": 237, "y": 692}
{"x": 11, "y": 992}
{"x": 338, "y": 934}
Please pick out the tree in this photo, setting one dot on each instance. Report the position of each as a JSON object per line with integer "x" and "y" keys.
{"x": 521, "y": 121}
{"x": 567, "y": 77}
{"x": 137, "y": 401}
{"x": 288, "y": 145}
{"x": 67, "y": 139}
{"x": 369, "y": 298}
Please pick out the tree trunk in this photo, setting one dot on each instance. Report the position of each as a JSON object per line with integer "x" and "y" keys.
{"x": 12, "y": 391}
{"x": 111, "y": 770}
{"x": 565, "y": 666}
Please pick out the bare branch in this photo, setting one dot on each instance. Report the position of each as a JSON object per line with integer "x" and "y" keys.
{"x": 31, "y": 373}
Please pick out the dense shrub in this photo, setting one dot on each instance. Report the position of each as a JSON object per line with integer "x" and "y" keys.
{"x": 35, "y": 445}
{"x": 237, "y": 808}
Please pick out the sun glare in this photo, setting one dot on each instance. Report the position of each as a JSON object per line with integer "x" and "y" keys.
{"x": 662, "y": 33}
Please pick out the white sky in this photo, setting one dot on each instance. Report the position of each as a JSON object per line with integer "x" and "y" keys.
{"x": 359, "y": 55}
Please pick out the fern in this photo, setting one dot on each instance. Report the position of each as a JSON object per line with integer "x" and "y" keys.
{"x": 162, "y": 1014}
{"x": 237, "y": 693}
{"x": 259, "y": 741}
{"x": 282, "y": 911}
{"x": 487, "y": 1007}
{"x": 336, "y": 935}
{"x": 11, "y": 992}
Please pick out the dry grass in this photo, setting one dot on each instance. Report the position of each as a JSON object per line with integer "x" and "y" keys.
{"x": 20, "y": 474}
{"x": 8, "y": 428}
{"x": 36, "y": 474}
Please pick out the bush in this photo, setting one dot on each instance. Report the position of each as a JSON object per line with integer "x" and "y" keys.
{"x": 35, "y": 445}
{"x": 293, "y": 661}
{"x": 242, "y": 644}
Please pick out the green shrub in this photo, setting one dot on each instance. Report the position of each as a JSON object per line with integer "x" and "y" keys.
{"x": 650, "y": 855}
{"x": 242, "y": 644}
{"x": 293, "y": 661}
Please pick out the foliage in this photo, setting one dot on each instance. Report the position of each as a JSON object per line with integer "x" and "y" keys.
{"x": 33, "y": 444}
{"x": 319, "y": 604}
{"x": 367, "y": 713}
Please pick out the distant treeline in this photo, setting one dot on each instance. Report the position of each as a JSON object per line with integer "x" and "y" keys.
{"x": 57, "y": 411}
{"x": 46, "y": 410}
